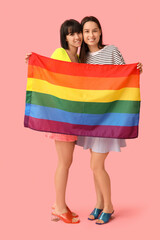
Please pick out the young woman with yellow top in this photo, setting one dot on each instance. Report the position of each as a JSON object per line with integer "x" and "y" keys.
{"x": 71, "y": 39}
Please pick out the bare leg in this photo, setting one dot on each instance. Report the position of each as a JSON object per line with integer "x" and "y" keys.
{"x": 99, "y": 203}
{"x": 103, "y": 180}
{"x": 100, "y": 200}
{"x": 65, "y": 156}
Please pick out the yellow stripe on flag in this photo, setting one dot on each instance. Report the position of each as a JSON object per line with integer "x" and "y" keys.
{"x": 36, "y": 85}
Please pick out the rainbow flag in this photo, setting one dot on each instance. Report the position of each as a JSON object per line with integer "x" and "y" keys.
{"x": 82, "y": 99}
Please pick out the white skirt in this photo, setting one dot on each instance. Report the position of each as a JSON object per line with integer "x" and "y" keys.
{"x": 101, "y": 145}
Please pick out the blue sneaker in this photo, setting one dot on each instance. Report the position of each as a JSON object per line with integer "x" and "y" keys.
{"x": 105, "y": 217}
{"x": 95, "y": 213}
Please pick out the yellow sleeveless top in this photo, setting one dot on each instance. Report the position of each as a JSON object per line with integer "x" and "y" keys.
{"x": 61, "y": 54}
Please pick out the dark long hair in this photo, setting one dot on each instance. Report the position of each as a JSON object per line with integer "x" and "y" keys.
{"x": 69, "y": 26}
{"x": 84, "y": 47}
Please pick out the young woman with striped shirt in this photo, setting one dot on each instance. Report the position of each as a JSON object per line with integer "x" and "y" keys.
{"x": 94, "y": 52}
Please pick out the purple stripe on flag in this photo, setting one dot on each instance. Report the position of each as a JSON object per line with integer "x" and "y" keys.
{"x": 81, "y": 130}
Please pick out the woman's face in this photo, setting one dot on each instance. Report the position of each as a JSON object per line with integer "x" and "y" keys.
{"x": 74, "y": 39}
{"x": 91, "y": 33}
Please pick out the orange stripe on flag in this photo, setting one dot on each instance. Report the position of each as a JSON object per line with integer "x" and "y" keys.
{"x": 79, "y": 82}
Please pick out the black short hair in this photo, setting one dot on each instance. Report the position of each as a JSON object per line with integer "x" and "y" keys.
{"x": 69, "y": 26}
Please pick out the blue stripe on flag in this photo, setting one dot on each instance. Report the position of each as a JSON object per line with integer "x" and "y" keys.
{"x": 54, "y": 114}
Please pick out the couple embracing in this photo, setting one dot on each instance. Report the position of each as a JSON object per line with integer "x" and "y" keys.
{"x": 87, "y": 36}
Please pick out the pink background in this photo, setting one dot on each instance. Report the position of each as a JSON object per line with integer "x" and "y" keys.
{"x": 28, "y": 159}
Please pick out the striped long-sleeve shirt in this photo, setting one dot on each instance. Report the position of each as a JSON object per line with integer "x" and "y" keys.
{"x": 107, "y": 55}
